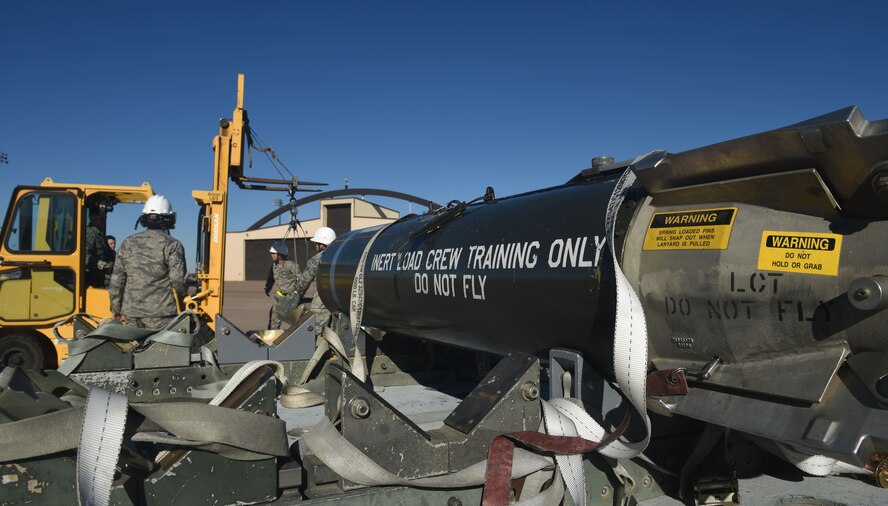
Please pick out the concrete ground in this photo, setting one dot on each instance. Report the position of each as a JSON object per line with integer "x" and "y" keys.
{"x": 246, "y": 304}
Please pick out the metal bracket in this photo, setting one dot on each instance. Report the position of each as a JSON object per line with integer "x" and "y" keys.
{"x": 507, "y": 400}
{"x": 565, "y": 370}
{"x": 237, "y": 348}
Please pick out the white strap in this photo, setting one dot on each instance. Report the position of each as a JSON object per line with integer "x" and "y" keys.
{"x": 357, "y": 362}
{"x": 630, "y": 328}
{"x": 571, "y": 466}
{"x": 356, "y": 305}
{"x": 236, "y": 380}
{"x": 534, "y": 483}
{"x": 563, "y": 417}
{"x": 819, "y": 465}
{"x": 296, "y": 397}
{"x": 242, "y": 374}
{"x": 100, "y": 440}
{"x": 551, "y": 495}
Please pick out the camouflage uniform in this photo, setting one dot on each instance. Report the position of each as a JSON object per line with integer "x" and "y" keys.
{"x": 98, "y": 260}
{"x": 285, "y": 275}
{"x": 322, "y": 315}
{"x": 302, "y": 284}
{"x": 150, "y": 266}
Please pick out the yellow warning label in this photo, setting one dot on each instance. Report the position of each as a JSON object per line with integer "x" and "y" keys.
{"x": 695, "y": 229}
{"x": 802, "y": 252}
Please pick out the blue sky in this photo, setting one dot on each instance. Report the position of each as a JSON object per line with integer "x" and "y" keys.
{"x": 434, "y": 98}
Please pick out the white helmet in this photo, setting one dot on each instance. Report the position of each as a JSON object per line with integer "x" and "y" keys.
{"x": 157, "y": 204}
{"x": 158, "y": 213}
{"x": 279, "y": 247}
{"x": 324, "y": 235}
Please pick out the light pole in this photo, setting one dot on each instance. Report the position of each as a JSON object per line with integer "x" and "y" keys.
{"x": 279, "y": 204}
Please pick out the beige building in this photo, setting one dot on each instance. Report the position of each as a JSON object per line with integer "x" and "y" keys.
{"x": 246, "y": 253}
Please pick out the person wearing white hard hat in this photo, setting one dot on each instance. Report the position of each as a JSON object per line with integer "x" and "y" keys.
{"x": 149, "y": 270}
{"x": 281, "y": 279}
{"x": 322, "y": 238}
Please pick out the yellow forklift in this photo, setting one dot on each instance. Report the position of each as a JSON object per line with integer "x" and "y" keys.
{"x": 43, "y": 266}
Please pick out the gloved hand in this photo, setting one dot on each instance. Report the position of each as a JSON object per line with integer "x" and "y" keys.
{"x": 268, "y": 292}
{"x": 103, "y": 265}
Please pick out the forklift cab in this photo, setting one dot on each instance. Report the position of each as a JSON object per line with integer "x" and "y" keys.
{"x": 44, "y": 273}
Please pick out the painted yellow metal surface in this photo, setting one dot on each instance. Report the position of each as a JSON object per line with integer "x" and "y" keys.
{"x": 44, "y": 283}
{"x": 228, "y": 147}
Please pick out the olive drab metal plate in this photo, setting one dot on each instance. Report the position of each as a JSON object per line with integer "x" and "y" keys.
{"x": 801, "y": 252}
{"x": 690, "y": 230}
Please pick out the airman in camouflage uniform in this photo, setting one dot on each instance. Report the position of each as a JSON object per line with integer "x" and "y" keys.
{"x": 284, "y": 272}
{"x": 149, "y": 275}
{"x": 322, "y": 238}
{"x": 305, "y": 280}
{"x": 98, "y": 259}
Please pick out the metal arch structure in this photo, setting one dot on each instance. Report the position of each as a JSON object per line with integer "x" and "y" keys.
{"x": 341, "y": 193}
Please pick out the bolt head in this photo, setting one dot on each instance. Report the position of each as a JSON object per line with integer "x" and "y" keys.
{"x": 530, "y": 391}
{"x": 359, "y": 408}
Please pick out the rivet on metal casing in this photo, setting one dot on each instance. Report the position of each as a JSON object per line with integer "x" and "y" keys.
{"x": 869, "y": 293}
{"x": 359, "y": 408}
{"x": 226, "y": 330}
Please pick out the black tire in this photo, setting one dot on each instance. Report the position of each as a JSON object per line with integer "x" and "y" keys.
{"x": 22, "y": 351}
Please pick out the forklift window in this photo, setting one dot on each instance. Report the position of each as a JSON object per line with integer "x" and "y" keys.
{"x": 44, "y": 222}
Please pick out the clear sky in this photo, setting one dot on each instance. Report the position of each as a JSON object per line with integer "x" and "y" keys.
{"x": 434, "y": 98}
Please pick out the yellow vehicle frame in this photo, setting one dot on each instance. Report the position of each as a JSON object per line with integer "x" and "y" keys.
{"x": 42, "y": 286}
